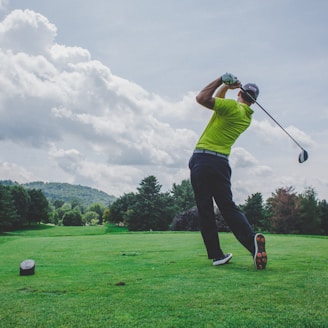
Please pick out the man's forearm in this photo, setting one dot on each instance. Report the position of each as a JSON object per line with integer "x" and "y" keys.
{"x": 222, "y": 91}
{"x": 205, "y": 96}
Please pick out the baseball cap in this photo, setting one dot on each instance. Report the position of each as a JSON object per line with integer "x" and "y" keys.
{"x": 253, "y": 89}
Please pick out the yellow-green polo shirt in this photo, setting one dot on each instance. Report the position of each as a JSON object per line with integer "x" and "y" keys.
{"x": 229, "y": 120}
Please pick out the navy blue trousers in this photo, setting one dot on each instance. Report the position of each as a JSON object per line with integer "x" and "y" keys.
{"x": 211, "y": 179}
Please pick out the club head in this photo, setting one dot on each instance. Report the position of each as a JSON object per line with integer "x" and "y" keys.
{"x": 303, "y": 156}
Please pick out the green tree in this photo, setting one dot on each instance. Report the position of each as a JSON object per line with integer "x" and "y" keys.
{"x": 323, "y": 210}
{"x": 57, "y": 203}
{"x": 284, "y": 206}
{"x": 254, "y": 211}
{"x": 77, "y": 205}
{"x": 309, "y": 219}
{"x": 9, "y": 217}
{"x": 151, "y": 209}
{"x": 91, "y": 218}
{"x": 22, "y": 201}
{"x": 39, "y": 207}
{"x": 60, "y": 212}
{"x": 73, "y": 218}
{"x": 99, "y": 209}
{"x": 53, "y": 215}
{"x": 183, "y": 196}
{"x": 106, "y": 215}
{"x": 119, "y": 208}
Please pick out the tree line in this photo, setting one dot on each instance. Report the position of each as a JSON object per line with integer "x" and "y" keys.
{"x": 150, "y": 209}
{"x": 284, "y": 212}
{"x": 21, "y": 207}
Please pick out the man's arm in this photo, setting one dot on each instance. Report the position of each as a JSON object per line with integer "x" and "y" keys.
{"x": 205, "y": 96}
{"x": 225, "y": 82}
{"x": 221, "y": 92}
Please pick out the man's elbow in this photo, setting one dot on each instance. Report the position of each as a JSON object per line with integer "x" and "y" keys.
{"x": 204, "y": 101}
{"x": 199, "y": 99}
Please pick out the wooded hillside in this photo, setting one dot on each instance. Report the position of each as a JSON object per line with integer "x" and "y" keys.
{"x": 68, "y": 192}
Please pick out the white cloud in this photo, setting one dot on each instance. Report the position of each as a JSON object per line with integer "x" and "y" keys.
{"x": 14, "y": 172}
{"x": 27, "y": 31}
{"x": 242, "y": 158}
{"x": 69, "y": 160}
{"x": 68, "y": 56}
{"x": 270, "y": 132}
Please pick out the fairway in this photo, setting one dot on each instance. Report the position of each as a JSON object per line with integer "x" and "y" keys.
{"x": 85, "y": 277}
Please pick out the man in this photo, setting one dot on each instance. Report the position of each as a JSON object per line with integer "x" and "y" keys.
{"x": 211, "y": 173}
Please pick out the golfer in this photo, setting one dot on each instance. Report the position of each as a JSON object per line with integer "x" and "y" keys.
{"x": 211, "y": 173}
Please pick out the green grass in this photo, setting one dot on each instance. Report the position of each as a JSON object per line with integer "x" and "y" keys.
{"x": 87, "y": 277}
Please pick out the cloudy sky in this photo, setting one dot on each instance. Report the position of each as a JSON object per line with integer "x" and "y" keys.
{"x": 101, "y": 93}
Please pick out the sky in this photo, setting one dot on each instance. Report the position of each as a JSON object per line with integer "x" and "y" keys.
{"x": 102, "y": 93}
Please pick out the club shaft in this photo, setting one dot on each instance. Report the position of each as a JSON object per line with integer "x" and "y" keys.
{"x": 273, "y": 119}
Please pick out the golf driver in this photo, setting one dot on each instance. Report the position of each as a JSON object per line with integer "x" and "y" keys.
{"x": 303, "y": 156}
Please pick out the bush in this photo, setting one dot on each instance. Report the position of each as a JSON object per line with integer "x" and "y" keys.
{"x": 72, "y": 218}
{"x": 189, "y": 221}
{"x": 186, "y": 221}
{"x": 91, "y": 218}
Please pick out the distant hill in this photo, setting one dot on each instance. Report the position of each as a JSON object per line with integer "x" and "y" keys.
{"x": 67, "y": 192}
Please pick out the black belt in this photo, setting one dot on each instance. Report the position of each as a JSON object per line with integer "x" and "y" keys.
{"x": 210, "y": 152}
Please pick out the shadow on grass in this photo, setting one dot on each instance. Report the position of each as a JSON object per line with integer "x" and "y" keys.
{"x": 40, "y": 226}
{"x": 32, "y": 227}
{"x": 111, "y": 228}
{"x": 49, "y": 230}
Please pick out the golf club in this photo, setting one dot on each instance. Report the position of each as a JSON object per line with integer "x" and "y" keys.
{"x": 303, "y": 156}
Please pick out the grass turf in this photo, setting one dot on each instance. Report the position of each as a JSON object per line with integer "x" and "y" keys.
{"x": 85, "y": 277}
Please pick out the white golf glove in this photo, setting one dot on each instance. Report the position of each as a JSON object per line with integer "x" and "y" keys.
{"x": 229, "y": 79}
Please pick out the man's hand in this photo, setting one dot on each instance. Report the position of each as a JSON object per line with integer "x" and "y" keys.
{"x": 230, "y": 79}
{"x": 225, "y": 82}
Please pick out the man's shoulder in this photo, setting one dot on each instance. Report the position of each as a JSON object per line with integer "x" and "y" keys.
{"x": 246, "y": 108}
{"x": 224, "y": 103}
